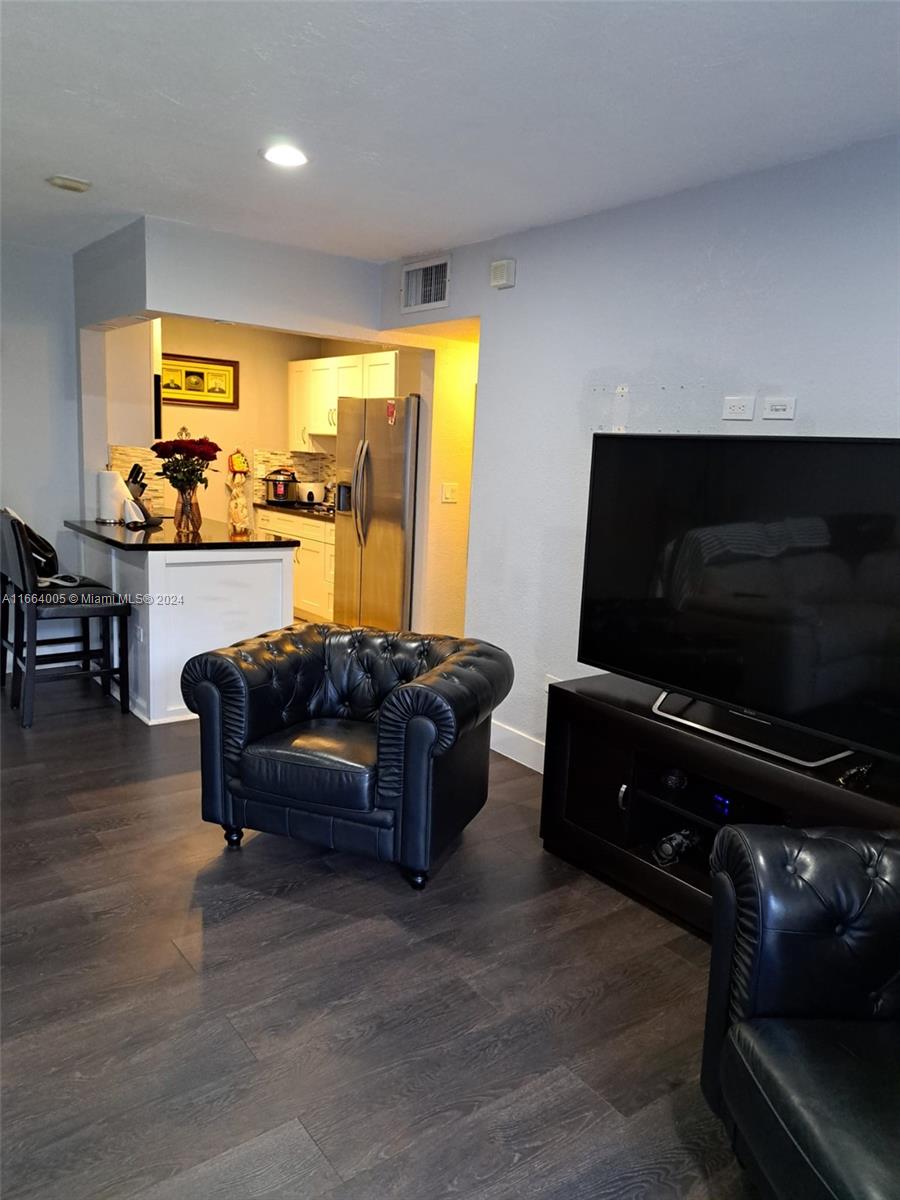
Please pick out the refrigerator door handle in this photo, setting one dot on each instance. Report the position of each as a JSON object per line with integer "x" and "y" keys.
{"x": 354, "y": 490}
{"x": 364, "y": 492}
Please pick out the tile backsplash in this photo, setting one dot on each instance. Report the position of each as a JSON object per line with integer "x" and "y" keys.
{"x": 160, "y": 495}
{"x": 318, "y": 467}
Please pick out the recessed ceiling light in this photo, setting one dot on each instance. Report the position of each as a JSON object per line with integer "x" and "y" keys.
{"x": 68, "y": 183}
{"x": 282, "y": 154}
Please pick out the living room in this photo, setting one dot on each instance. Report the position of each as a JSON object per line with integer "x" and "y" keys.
{"x": 292, "y": 1019}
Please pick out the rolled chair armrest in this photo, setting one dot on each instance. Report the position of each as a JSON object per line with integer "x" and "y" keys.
{"x": 806, "y": 923}
{"x": 263, "y": 684}
{"x": 456, "y": 695}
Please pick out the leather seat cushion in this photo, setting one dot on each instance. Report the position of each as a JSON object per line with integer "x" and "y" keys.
{"x": 327, "y": 761}
{"x": 88, "y": 594}
{"x": 818, "y": 1104}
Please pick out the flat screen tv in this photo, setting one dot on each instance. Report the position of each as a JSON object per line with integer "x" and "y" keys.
{"x": 760, "y": 574}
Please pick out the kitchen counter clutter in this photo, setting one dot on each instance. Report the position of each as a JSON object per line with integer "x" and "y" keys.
{"x": 187, "y": 593}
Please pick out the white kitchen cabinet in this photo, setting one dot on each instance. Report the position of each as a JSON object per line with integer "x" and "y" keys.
{"x": 299, "y": 412}
{"x": 298, "y": 588}
{"x": 329, "y": 578}
{"x": 310, "y": 587}
{"x": 349, "y": 378}
{"x": 316, "y": 384}
{"x": 313, "y": 564}
{"x": 380, "y": 374}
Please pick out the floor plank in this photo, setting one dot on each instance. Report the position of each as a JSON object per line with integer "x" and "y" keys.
{"x": 184, "y": 1023}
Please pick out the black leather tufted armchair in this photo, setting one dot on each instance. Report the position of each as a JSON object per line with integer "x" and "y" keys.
{"x": 801, "y": 1056}
{"x": 359, "y": 740}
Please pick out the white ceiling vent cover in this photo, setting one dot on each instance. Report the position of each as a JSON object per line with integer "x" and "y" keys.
{"x": 425, "y": 284}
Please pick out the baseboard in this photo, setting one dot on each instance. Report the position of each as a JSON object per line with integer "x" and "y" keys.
{"x": 521, "y": 747}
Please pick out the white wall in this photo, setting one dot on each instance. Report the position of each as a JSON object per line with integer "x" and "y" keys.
{"x": 261, "y": 419}
{"x": 38, "y": 395}
{"x": 129, "y": 384}
{"x": 784, "y": 280}
{"x": 201, "y": 273}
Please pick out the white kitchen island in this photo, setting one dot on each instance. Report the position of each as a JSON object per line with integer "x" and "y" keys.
{"x": 187, "y": 596}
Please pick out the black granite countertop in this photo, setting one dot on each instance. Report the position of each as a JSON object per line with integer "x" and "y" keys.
{"x": 213, "y": 535}
{"x": 310, "y": 514}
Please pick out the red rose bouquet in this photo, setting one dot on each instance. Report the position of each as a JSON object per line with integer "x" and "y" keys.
{"x": 185, "y": 461}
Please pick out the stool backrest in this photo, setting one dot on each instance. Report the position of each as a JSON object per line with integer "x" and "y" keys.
{"x": 18, "y": 563}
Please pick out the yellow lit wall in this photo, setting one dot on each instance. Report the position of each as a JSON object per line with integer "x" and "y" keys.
{"x": 442, "y": 530}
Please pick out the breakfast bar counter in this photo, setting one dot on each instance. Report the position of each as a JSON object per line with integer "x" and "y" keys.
{"x": 212, "y": 535}
{"x": 189, "y": 593}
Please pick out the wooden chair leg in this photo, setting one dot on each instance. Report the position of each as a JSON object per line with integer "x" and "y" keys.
{"x": 106, "y": 661}
{"x": 85, "y": 643}
{"x": 123, "y": 663}
{"x": 15, "y": 696}
{"x": 30, "y": 666}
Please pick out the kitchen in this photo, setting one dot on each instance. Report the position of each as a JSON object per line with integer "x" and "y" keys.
{"x": 359, "y": 457}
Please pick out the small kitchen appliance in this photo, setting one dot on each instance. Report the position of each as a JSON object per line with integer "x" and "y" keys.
{"x": 283, "y": 487}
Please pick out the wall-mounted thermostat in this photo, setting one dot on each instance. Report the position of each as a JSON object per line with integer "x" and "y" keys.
{"x": 503, "y": 273}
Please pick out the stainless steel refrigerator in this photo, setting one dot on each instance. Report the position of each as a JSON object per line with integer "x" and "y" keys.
{"x": 375, "y": 509}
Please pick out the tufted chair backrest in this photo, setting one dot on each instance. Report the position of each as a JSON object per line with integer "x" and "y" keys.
{"x": 351, "y": 672}
{"x": 307, "y": 671}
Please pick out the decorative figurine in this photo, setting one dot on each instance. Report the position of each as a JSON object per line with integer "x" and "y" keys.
{"x": 238, "y": 510}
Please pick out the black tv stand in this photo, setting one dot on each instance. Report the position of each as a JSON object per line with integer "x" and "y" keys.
{"x": 620, "y": 778}
{"x": 744, "y": 729}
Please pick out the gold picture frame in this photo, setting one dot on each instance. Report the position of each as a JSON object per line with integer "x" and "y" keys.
{"x": 201, "y": 382}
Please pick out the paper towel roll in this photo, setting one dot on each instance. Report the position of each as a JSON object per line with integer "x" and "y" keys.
{"x": 111, "y": 495}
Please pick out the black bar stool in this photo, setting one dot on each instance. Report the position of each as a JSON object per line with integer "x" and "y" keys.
{"x": 31, "y": 604}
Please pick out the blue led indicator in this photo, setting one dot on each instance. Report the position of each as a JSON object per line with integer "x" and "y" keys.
{"x": 723, "y": 804}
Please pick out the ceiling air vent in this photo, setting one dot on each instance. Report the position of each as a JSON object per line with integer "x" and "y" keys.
{"x": 425, "y": 284}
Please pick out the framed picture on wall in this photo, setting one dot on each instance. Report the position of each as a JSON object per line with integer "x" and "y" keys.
{"x": 210, "y": 382}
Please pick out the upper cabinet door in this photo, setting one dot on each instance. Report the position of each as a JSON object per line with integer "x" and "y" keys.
{"x": 322, "y": 394}
{"x": 349, "y": 380}
{"x": 380, "y": 371}
{"x": 316, "y": 385}
{"x": 299, "y": 377}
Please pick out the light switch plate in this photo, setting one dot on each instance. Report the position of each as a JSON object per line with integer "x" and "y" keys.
{"x": 738, "y": 408}
{"x": 449, "y": 493}
{"x": 779, "y": 408}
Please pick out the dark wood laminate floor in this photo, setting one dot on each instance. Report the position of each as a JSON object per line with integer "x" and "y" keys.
{"x": 181, "y": 1023}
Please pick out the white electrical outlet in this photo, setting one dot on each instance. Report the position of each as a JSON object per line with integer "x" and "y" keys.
{"x": 779, "y": 408}
{"x": 738, "y": 408}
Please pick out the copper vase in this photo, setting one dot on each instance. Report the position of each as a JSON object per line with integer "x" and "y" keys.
{"x": 187, "y": 511}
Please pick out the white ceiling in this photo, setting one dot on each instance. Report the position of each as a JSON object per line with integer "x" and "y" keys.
{"x": 427, "y": 125}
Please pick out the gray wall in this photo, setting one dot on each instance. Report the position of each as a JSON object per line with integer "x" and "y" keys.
{"x": 784, "y": 281}
{"x": 111, "y": 276}
{"x": 38, "y": 398}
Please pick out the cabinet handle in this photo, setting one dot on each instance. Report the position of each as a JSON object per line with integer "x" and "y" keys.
{"x": 304, "y": 438}
{"x": 623, "y": 792}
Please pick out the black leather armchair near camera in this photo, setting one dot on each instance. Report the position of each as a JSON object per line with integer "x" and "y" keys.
{"x": 801, "y": 1056}
{"x": 355, "y": 739}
